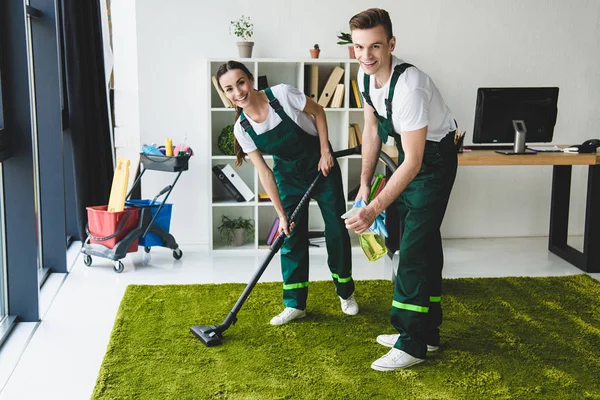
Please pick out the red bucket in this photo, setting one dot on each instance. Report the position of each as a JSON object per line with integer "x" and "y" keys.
{"x": 102, "y": 223}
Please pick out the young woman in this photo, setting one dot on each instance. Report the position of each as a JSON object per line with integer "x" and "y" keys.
{"x": 283, "y": 122}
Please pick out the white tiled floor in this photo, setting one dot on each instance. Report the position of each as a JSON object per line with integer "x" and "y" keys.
{"x": 59, "y": 357}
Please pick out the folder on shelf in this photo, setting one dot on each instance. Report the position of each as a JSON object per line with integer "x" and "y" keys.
{"x": 356, "y": 93}
{"x": 352, "y": 137}
{"x": 338, "y": 96}
{"x": 311, "y": 81}
{"x": 358, "y": 132}
{"x": 334, "y": 78}
{"x": 233, "y": 183}
{"x": 224, "y": 99}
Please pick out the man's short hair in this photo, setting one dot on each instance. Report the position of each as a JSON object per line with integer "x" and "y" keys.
{"x": 370, "y": 19}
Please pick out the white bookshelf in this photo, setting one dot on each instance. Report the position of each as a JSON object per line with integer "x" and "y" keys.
{"x": 290, "y": 71}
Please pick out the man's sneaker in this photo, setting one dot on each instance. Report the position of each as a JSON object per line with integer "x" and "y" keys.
{"x": 390, "y": 341}
{"x": 395, "y": 359}
{"x": 349, "y": 305}
{"x": 287, "y": 315}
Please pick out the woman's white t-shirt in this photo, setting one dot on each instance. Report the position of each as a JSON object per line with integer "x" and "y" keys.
{"x": 417, "y": 103}
{"x": 293, "y": 102}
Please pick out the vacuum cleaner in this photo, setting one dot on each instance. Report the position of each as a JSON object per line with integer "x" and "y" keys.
{"x": 212, "y": 335}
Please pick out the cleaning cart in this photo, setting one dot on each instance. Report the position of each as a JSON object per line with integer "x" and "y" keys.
{"x": 142, "y": 223}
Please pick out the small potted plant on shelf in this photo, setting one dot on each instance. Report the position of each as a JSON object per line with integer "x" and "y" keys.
{"x": 345, "y": 39}
{"x": 225, "y": 141}
{"x": 236, "y": 231}
{"x": 243, "y": 29}
{"x": 314, "y": 52}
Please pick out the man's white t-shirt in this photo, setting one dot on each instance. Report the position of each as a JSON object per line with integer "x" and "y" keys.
{"x": 417, "y": 103}
{"x": 293, "y": 102}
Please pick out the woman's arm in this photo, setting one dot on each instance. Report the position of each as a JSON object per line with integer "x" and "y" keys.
{"x": 265, "y": 174}
{"x": 314, "y": 109}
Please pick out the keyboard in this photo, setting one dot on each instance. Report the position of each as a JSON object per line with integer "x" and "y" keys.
{"x": 488, "y": 147}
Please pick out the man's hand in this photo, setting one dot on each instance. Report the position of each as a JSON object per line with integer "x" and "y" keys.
{"x": 325, "y": 163}
{"x": 362, "y": 221}
{"x": 363, "y": 193}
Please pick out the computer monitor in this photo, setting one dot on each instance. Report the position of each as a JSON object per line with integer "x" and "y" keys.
{"x": 515, "y": 115}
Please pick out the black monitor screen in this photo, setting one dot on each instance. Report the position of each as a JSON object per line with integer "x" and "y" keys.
{"x": 497, "y": 107}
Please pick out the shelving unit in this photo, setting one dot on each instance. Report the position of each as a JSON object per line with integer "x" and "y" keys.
{"x": 278, "y": 71}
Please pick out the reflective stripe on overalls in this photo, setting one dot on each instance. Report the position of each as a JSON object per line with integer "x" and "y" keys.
{"x": 416, "y": 309}
{"x": 296, "y": 156}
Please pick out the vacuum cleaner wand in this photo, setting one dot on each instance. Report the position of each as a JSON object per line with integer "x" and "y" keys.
{"x": 213, "y": 335}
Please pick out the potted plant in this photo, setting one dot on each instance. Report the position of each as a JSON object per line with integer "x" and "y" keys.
{"x": 314, "y": 52}
{"x": 345, "y": 39}
{"x": 225, "y": 141}
{"x": 243, "y": 29}
{"x": 236, "y": 231}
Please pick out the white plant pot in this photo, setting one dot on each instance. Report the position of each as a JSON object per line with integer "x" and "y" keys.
{"x": 239, "y": 237}
{"x": 245, "y": 48}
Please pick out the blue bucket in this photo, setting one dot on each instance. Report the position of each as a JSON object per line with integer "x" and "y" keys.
{"x": 163, "y": 220}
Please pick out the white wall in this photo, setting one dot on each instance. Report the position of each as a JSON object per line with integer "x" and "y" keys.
{"x": 461, "y": 44}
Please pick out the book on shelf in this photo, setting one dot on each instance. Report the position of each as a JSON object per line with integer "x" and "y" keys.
{"x": 263, "y": 83}
{"x": 232, "y": 182}
{"x": 334, "y": 78}
{"x": 356, "y": 93}
{"x": 352, "y": 142}
{"x": 273, "y": 231}
{"x": 311, "y": 81}
{"x": 358, "y": 133}
{"x": 375, "y": 186}
{"x": 338, "y": 96}
{"x": 263, "y": 196}
{"x": 224, "y": 99}
{"x": 380, "y": 187}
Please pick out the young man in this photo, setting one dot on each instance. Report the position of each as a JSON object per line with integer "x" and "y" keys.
{"x": 403, "y": 103}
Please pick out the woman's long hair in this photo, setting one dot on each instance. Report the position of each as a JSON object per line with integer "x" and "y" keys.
{"x": 223, "y": 69}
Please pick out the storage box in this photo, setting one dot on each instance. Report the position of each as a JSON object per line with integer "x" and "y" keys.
{"x": 163, "y": 220}
{"x": 102, "y": 223}
{"x": 165, "y": 163}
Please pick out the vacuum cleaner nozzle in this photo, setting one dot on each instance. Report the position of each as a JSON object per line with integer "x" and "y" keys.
{"x": 210, "y": 335}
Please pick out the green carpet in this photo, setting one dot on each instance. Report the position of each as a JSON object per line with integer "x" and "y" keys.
{"x": 502, "y": 338}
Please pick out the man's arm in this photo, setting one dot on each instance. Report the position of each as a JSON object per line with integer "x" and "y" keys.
{"x": 371, "y": 146}
{"x": 413, "y": 144}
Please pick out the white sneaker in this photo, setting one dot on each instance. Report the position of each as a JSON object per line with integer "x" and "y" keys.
{"x": 287, "y": 315}
{"x": 349, "y": 305}
{"x": 390, "y": 341}
{"x": 395, "y": 359}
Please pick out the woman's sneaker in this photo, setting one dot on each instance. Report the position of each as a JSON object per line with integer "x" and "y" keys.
{"x": 288, "y": 315}
{"x": 395, "y": 359}
{"x": 349, "y": 305}
{"x": 390, "y": 341}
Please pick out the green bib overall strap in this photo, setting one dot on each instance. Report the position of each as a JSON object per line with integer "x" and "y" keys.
{"x": 385, "y": 127}
{"x": 274, "y": 103}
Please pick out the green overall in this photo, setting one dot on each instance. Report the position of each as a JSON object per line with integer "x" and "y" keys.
{"x": 416, "y": 310}
{"x": 296, "y": 156}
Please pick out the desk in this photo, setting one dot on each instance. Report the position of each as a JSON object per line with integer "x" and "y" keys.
{"x": 589, "y": 259}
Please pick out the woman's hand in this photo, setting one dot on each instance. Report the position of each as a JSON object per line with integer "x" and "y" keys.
{"x": 284, "y": 225}
{"x": 326, "y": 163}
